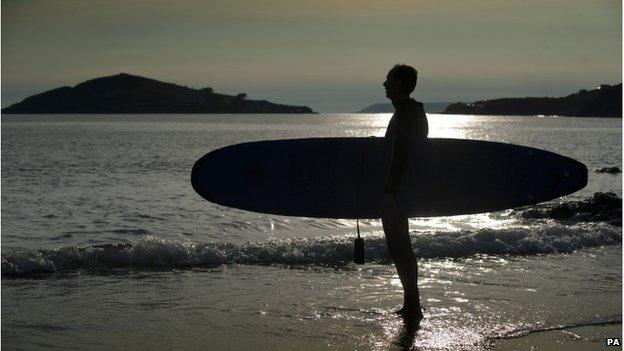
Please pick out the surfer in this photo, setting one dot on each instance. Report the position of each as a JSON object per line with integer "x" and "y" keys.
{"x": 407, "y": 125}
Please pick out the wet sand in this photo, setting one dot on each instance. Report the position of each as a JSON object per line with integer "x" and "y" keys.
{"x": 589, "y": 337}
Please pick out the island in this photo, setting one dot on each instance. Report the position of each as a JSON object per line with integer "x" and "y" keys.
{"x": 126, "y": 93}
{"x": 604, "y": 101}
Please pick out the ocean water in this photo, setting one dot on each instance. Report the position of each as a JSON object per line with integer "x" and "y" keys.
{"x": 105, "y": 245}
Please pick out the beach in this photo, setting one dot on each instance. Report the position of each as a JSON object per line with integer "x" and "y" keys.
{"x": 105, "y": 245}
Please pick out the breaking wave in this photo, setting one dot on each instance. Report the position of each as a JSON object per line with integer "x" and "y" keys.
{"x": 157, "y": 253}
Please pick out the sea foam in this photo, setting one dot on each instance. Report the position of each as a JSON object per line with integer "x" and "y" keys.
{"x": 153, "y": 252}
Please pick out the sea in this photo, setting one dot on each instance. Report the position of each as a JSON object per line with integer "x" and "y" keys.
{"x": 105, "y": 245}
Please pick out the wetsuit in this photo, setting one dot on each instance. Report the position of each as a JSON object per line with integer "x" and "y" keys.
{"x": 408, "y": 125}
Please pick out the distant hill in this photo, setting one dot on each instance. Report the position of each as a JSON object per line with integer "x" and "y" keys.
{"x": 605, "y": 101}
{"x": 125, "y": 93}
{"x": 430, "y": 107}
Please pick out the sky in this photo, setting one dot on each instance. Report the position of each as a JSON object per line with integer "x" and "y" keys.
{"x": 330, "y": 55}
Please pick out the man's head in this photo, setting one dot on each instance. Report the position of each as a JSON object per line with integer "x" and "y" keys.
{"x": 400, "y": 81}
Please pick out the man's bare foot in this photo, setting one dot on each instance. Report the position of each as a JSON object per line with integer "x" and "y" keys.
{"x": 413, "y": 313}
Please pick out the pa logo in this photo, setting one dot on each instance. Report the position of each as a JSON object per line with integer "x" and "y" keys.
{"x": 613, "y": 342}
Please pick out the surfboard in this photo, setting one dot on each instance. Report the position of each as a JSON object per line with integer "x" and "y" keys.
{"x": 345, "y": 177}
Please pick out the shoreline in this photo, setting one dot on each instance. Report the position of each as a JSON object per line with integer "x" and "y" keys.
{"x": 589, "y": 336}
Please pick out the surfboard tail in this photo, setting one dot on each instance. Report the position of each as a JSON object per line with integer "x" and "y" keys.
{"x": 200, "y": 173}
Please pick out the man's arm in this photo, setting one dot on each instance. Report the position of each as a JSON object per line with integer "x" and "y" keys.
{"x": 398, "y": 157}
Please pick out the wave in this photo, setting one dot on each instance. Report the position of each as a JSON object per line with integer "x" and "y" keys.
{"x": 157, "y": 253}
{"x": 601, "y": 207}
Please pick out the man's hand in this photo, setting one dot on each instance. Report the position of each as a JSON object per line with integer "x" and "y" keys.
{"x": 387, "y": 206}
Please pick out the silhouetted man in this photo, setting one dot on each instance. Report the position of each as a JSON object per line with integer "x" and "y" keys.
{"x": 407, "y": 125}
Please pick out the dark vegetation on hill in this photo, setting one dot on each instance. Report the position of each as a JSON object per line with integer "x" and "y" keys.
{"x": 125, "y": 93}
{"x": 605, "y": 101}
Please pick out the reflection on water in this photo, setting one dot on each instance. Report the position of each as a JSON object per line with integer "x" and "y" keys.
{"x": 406, "y": 334}
{"x": 450, "y": 126}
{"x": 366, "y": 125}
{"x": 440, "y": 126}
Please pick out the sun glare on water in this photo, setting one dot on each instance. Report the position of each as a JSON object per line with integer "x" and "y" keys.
{"x": 440, "y": 126}
{"x": 449, "y": 126}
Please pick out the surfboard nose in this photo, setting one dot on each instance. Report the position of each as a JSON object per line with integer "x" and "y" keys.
{"x": 583, "y": 174}
{"x": 574, "y": 176}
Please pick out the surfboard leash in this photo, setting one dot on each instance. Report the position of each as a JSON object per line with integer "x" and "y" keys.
{"x": 358, "y": 249}
{"x": 358, "y": 252}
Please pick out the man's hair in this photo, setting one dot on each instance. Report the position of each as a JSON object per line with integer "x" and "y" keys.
{"x": 408, "y": 76}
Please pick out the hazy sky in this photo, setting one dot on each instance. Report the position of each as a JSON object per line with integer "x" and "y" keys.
{"x": 330, "y": 55}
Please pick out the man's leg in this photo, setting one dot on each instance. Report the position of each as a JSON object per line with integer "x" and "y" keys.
{"x": 400, "y": 248}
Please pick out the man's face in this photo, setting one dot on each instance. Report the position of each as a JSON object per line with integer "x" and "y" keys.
{"x": 392, "y": 85}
